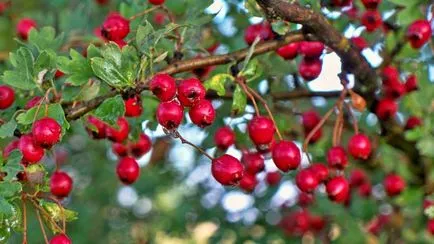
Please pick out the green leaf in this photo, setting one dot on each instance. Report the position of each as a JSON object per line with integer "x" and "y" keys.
{"x": 10, "y": 189}
{"x": 77, "y": 68}
{"x": 217, "y": 83}
{"x": 89, "y": 91}
{"x": 46, "y": 61}
{"x": 426, "y": 146}
{"x": 281, "y": 27}
{"x": 110, "y": 110}
{"x": 253, "y": 8}
{"x": 45, "y": 38}
{"x": 6, "y": 208}
{"x": 13, "y": 165}
{"x": 57, "y": 212}
{"x": 22, "y": 76}
{"x": 239, "y": 101}
{"x": 7, "y": 130}
{"x": 143, "y": 32}
{"x": 252, "y": 70}
{"x": 54, "y": 111}
{"x": 409, "y": 14}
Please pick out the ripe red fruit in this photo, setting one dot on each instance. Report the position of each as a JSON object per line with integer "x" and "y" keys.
{"x": 371, "y": 19}
{"x": 102, "y": 2}
{"x": 316, "y": 136}
{"x": 309, "y": 68}
{"x": 224, "y": 137}
{"x": 133, "y": 107}
{"x": 286, "y": 155}
{"x": 395, "y": 90}
{"x": 310, "y": 119}
{"x": 202, "y": 113}
{"x": 10, "y": 147}
{"x": 386, "y": 109}
{"x": 261, "y": 30}
{"x": 170, "y": 114}
{"x": 419, "y": 33}
{"x": 357, "y": 177}
{"x": 340, "y": 3}
{"x": 337, "y": 157}
{"x": 306, "y": 180}
{"x": 227, "y": 170}
{"x": 273, "y": 178}
{"x": 115, "y": 27}
{"x": 261, "y": 130}
{"x": 253, "y": 162}
{"x": 156, "y": 2}
{"x": 32, "y": 153}
{"x": 190, "y": 92}
{"x": 58, "y": 74}
{"x": 390, "y": 75}
{"x": 128, "y": 170}
{"x": 288, "y": 51}
{"x": 24, "y": 26}
{"x": 95, "y": 127}
{"x": 359, "y": 42}
{"x": 311, "y": 49}
{"x": 413, "y": 122}
{"x": 371, "y": 4}
{"x": 427, "y": 203}
{"x": 430, "y": 226}
{"x": 163, "y": 86}
{"x": 359, "y": 146}
{"x": 7, "y": 97}
{"x": 248, "y": 182}
{"x": 120, "y": 149}
{"x": 46, "y": 132}
{"x": 338, "y": 189}
{"x": 60, "y": 184}
{"x": 317, "y": 223}
{"x": 33, "y": 102}
{"x": 159, "y": 18}
{"x": 141, "y": 147}
{"x": 305, "y": 199}
{"x": 119, "y": 134}
{"x": 365, "y": 189}
{"x": 411, "y": 84}
{"x": 320, "y": 171}
{"x": 60, "y": 239}
{"x": 393, "y": 184}
{"x": 297, "y": 223}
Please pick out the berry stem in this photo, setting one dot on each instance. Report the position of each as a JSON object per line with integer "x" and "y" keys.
{"x": 24, "y": 219}
{"x": 42, "y": 226}
{"x": 47, "y": 216}
{"x": 316, "y": 128}
{"x": 146, "y": 11}
{"x": 251, "y": 97}
{"x": 185, "y": 141}
{"x": 353, "y": 118}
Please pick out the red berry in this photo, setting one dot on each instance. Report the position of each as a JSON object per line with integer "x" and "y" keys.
{"x": 288, "y": 51}
{"x": 357, "y": 177}
{"x": 24, "y": 26}
{"x": 33, "y": 102}
{"x": 411, "y": 84}
{"x": 133, "y": 107}
{"x": 248, "y": 182}
{"x": 46, "y": 132}
{"x": 296, "y": 223}
{"x": 115, "y": 27}
{"x": 311, "y": 49}
{"x": 419, "y": 33}
{"x": 128, "y": 170}
{"x": 359, "y": 146}
{"x": 142, "y": 146}
{"x": 317, "y": 223}
{"x": 365, "y": 189}
{"x": 395, "y": 90}
{"x": 170, "y": 114}
{"x": 273, "y": 178}
{"x": 359, "y": 42}
{"x": 120, "y": 133}
{"x": 163, "y": 86}
{"x": 310, "y": 68}
{"x": 371, "y": 4}
{"x": 60, "y": 239}
{"x": 352, "y": 12}
{"x": 202, "y": 113}
{"x": 320, "y": 171}
{"x": 102, "y": 2}
{"x": 253, "y": 162}
{"x": 286, "y": 155}
{"x": 386, "y": 109}
{"x": 430, "y": 226}
{"x": 338, "y": 189}
{"x": 159, "y": 18}
{"x": 7, "y": 97}
{"x": 60, "y": 184}
{"x": 261, "y": 30}
{"x": 339, "y": 3}
{"x": 96, "y": 128}
{"x": 427, "y": 203}
{"x": 261, "y": 130}
{"x": 227, "y": 170}
{"x": 190, "y": 92}
{"x": 305, "y": 199}
{"x": 393, "y": 184}
{"x": 120, "y": 149}
{"x": 32, "y": 153}
{"x": 120, "y": 43}
{"x": 306, "y": 180}
{"x": 4, "y": 6}
{"x": 310, "y": 119}
{"x": 316, "y": 136}
{"x": 389, "y": 75}
{"x": 58, "y": 74}
{"x": 337, "y": 157}
{"x": 156, "y": 2}
{"x": 413, "y": 122}
{"x": 371, "y": 19}
{"x": 224, "y": 137}
{"x": 10, "y": 147}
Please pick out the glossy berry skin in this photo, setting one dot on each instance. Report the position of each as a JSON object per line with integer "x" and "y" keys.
{"x": 386, "y": 109}
{"x": 170, "y": 114}
{"x": 371, "y": 4}
{"x": 320, "y": 171}
{"x": 357, "y": 178}
{"x": 60, "y": 184}
{"x": 141, "y": 147}
{"x": 33, "y": 102}
{"x": 286, "y": 155}
{"x": 419, "y": 33}
{"x": 7, "y": 97}
{"x": 310, "y": 119}
{"x": 372, "y": 20}
{"x": 365, "y": 189}
{"x": 190, "y": 92}
{"x": 24, "y": 26}
{"x": 359, "y": 146}
{"x": 120, "y": 149}
{"x": 115, "y": 27}
{"x": 118, "y": 134}
{"x": 227, "y": 170}
{"x": 253, "y": 162}
{"x": 338, "y": 189}
{"x": 133, "y": 107}
{"x": 430, "y": 226}
{"x": 248, "y": 182}
{"x": 359, "y": 42}
{"x": 128, "y": 170}
{"x": 306, "y": 180}
{"x": 413, "y": 122}
{"x": 224, "y": 137}
{"x": 310, "y": 69}
{"x": 156, "y": 2}
{"x": 261, "y": 130}
{"x": 411, "y": 84}
{"x": 32, "y": 153}
{"x": 60, "y": 239}
{"x": 202, "y": 113}
{"x": 46, "y": 132}
{"x": 337, "y": 157}
{"x": 393, "y": 184}
{"x": 311, "y": 49}
{"x": 163, "y": 86}
{"x": 96, "y": 128}
{"x": 261, "y": 30}
{"x": 289, "y": 51}
{"x": 273, "y": 178}
{"x": 395, "y": 90}
{"x": 390, "y": 75}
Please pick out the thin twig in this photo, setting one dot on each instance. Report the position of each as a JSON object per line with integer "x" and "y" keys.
{"x": 251, "y": 97}
{"x": 144, "y": 12}
{"x": 184, "y": 141}
{"x": 353, "y": 118}
{"x": 24, "y": 219}
{"x": 316, "y": 128}
{"x": 46, "y": 214}
{"x": 41, "y": 224}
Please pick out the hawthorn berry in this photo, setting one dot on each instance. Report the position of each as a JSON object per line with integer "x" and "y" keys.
{"x": 4, "y": 6}
{"x": 159, "y": 18}
{"x": 305, "y": 199}
{"x": 337, "y": 157}
{"x": 296, "y": 223}
{"x": 386, "y": 109}
{"x": 7, "y": 97}
{"x": 31, "y": 152}
{"x": 357, "y": 178}
{"x": 315, "y": 137}
{"x": 46, "y": 132}
{"x": 273, "y": 178}
{"x": 288, "y": 51}
{"x": 338, "y": 189}
{"x": 371, "y": 4}
{"x": 60, "y": 239}
{"x": 393, "y": 184}
{"x": 202, "y": 113}
{"x": 310, "y": 68}
{"x": 33, "y": 102}
{"x": 156, "y": 2}
{"x": 286, "y": 155}
{"x": 141, "y": 147}
{"x": 24, "y": 26}
{"x": 128, "y": 170}
{"x": 115, "y": 27}
{"x": 102, "y": 2}
{"x": 365, "y": 189}
{"x": 310, "y": 119}
{"x": 340, "y": 3}
{"x": 58, "y": 74}
{"x": 120, "y": 149}
{"x": 430, "y": 226}
{"x": 96, "y": 128}
{"x": 133, "y": 107}
{"x": 418, "y": 33}
{"x": 317, "y": 223}
{"x": 359, "y": 146}
{"x": 311, "y": 49}
{"x": 60, "y": 184}
{"x": 163, "y": 86}
{"x": 306, "y": 180}
{"x": 253, "y": 162}
{"x": 224, "y": 137}
{"x": 190, "y": 92}
{"x": 320, "y": 171}
{"x": 395, "y": 90}
{"x": 411, "y": 83}
{"x": 248, "y": 182}
{"x": 413, "y": 122}
{"x": 371, "y": 19}
{"x": 390, "y": 75}
{"x": 170, "y": 114}
{"x": 120, "y": 133}
{"x": 261, "y": 130}
{"x": 227, "y": 170}
{"x": 359, "y": 42}
{"x": 261, "y": 30}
